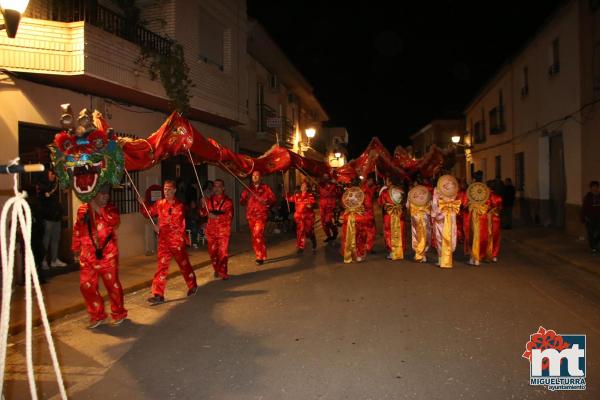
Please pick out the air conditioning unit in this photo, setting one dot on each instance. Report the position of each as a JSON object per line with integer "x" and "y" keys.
{"x": 273, "y": 82}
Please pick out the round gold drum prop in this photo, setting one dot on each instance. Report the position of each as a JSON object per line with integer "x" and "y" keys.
{"x": 353, "y": 198}
{"x": 478, "y": 192}
{"x": 419, "y": 196}
{"x": 396, "y": 194}
{"x": 448, "y": 186}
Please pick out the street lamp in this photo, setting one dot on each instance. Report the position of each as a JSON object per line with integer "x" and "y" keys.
{"x": 455, "y": 139}
{"x": 11, "y": 12}
{"x": 310, "y": 132}
{"x": 337, "y": 154}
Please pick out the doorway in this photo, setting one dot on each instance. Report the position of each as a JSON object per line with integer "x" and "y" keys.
{"x": 181, "y": 170}
{"x": 557, "y": 181}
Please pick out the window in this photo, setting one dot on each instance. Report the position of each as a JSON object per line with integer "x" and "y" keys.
{"x": 125, "y": 198}
{"x": 260, "y": 101}
{"x": 498, "y": 167}
{"x": 525, "y": 84}
{"x": 520, "y": 171}
{"x": 596, "y": 70}
{"x": 554, "y": 67}
{"x": 478, "y": 133}
{"x": 211, "y": 39}
{"x": 497, "y": 116}
{"x": 479, "y": 129}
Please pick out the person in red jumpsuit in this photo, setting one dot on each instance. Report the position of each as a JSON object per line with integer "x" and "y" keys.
{"x": 219, "y": 210}
{"x": 95, "y": 245}
{"x": 329, "y": 194}
{"x": 258, "y": 198}
{"x": 304, "y": 216}
{"x": 171, "y": 242}
{"x": 494, "y": 224}
{"x": 370, "y": 190}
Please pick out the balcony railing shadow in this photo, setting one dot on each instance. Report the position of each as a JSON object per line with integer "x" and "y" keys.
{"x": 99, "y": 16}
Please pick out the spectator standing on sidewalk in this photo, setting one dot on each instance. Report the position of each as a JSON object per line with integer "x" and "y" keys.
{"x": 508, "y": 201}
{"x": 590, "y": 215}
{"x": 52, "y": 214}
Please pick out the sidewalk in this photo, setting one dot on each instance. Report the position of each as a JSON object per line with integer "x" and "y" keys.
{"x": 62, "y": 295}
{"x": 557, "y": 244}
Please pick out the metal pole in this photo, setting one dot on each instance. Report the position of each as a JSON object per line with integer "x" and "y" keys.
{"x": 139, "y": 197}
{"x": 198, "y": 180}
{"x": 283, "y": 177}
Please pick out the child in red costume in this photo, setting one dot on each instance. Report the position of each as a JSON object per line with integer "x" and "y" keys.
{"x": 171, "y": 243}
{"x": 95, "y": 244}
{"x": 218, "y": 228}
{"x": 304, "y": 217}
{"x": 259, "y": 197}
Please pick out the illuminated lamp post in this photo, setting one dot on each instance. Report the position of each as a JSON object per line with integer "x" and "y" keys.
{"x": 12, "y": 10}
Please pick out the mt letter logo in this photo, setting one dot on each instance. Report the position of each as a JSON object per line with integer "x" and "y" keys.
{"x": 556, "y": 361}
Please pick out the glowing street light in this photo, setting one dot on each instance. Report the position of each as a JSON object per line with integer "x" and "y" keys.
{"x": 310, "y": 132}
{"x": 455, "y": 139}
{"x": 11, "y": 12}
{"x": 337, "y": 154}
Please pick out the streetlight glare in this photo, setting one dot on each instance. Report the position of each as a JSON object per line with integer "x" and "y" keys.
{"x": 16, "y": 5}
{"x": 337, "y": 154}
{"x": 310, "y": 132}
{"x": 455, "y": 139}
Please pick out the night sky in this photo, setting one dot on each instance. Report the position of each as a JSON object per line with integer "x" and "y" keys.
{"x": 386, "y": 69}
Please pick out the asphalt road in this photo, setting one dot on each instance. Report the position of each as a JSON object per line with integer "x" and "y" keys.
{"x": 310, "y": 327}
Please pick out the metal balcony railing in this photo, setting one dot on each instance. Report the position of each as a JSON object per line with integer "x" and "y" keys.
{"x": 109, "y": 21}
{"x": 274, "y": 126}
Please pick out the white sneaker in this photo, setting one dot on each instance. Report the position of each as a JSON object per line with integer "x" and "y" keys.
{"x": 58, "y": 263}
{"x": 45, "y": 265}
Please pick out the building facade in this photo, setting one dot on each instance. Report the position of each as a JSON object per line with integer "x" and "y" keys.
{"x": 531, "y": 122}
{"x": 244, "y": 92}
{"x": 439, "y": 132}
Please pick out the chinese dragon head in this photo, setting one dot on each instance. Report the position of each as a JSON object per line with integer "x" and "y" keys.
{"x": 86, "y": 154}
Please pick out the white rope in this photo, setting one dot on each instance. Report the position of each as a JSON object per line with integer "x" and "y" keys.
{"x": 21, "y": 215}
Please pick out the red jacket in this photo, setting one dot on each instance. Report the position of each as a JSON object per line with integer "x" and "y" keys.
{"x": 103, "y": 224}
{"x": 369, "y": 194}
{"x": 221, "y": 225}
{"x": 258, "y": 201}
{"x": 171, "y": 220}
{"x": 304, "y": 203}
{"x": 329, "y": 193}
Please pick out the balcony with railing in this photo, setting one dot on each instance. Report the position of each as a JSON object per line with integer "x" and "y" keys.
{"x": 109, "y": 21}
{"x": 81, "y": 45}
{"x": 270, "y": 126}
